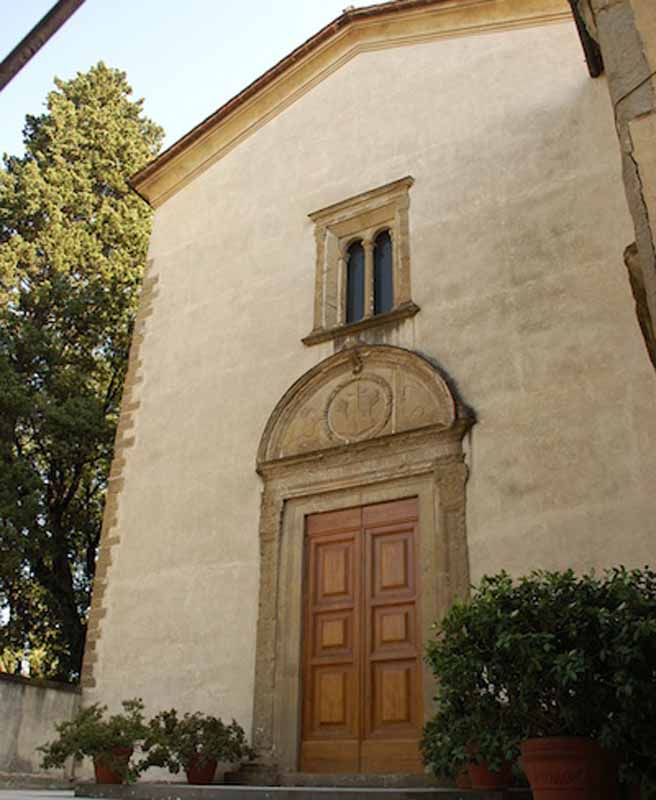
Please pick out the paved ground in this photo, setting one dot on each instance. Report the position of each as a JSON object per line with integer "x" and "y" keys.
{"x": 35, "y": 794}
{"x": 183, "y": 792}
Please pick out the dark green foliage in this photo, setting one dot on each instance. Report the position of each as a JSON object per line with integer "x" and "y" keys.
{"x": 474, "y": 719}
{"x": 628, "y": 650}
{"x": 73, "y": 242}
{"x": 447, "y": 738}
{"x": 551, "y": 654}
{"x": 175, "y": 742}
{"x": 90, "y": 734}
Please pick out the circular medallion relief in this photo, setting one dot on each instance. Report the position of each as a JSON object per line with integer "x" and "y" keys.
{"x": 359, "y": 409}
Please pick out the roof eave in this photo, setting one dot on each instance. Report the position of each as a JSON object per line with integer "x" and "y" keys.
{"x": 329, "y": 30}
{"x": 591, "y": 48}
{"x": 141, "y": 180}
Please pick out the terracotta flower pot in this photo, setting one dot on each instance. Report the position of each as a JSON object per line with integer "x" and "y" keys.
{"x": 482, "y": 777}
{"x": 463, "y": 781}
{"x": 568, "y": 769}
{"x": 634, "y": 791}
{"x": 104, "y": 765}
{"x": 201, "y": 771}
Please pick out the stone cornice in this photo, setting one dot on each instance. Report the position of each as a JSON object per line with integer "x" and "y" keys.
{"x": 356, "y": 31}
{"x": 440, "y": 444}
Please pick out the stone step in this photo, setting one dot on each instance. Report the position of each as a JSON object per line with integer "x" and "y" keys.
{"x": 264, "y": 775}
{"x": 181, "y": 791}
{"x": 365, "y": 781}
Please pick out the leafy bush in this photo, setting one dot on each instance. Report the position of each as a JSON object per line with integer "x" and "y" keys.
{"x": 446, "y": 739}
{"x": 628, "y": 649}
{"x": 175, "y": 742}
{"x": 474, "y": 718}
{"x": 550, "y": 654}
{"x": 89, "y": 734}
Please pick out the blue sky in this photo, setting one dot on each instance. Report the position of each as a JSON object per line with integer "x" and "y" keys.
{"x": 186, "y": 59}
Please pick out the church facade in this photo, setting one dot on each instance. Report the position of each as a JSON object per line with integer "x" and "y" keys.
{"x": 385, "y": 346}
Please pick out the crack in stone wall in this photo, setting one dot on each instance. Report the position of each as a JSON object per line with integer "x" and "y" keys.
{"x": 632, "y": 261}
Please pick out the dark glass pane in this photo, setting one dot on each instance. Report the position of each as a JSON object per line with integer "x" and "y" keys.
{"x": 355, "y": 283}
{"x": 383, "y": 282}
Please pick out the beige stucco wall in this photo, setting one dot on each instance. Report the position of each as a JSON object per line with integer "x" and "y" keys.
{"x": 29, "y": 711}
{"x": 518, "y": 222}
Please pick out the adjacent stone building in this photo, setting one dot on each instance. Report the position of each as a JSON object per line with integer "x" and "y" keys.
{"x": 385, "y": 346}
{"x": 620, "y": 36}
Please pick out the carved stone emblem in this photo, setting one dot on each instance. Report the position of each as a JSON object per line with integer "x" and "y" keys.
{"x": 359, "y": 409}
{"x": 355, "y": 395}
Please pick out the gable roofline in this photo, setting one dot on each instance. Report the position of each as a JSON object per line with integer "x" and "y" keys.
{"x": 372, "y": 27}
{"x": 252, "y": 88}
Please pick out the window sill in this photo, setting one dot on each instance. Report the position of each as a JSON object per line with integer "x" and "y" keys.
{"x": 403, "y": 311}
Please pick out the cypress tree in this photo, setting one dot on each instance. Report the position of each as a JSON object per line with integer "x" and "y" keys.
{"x": 73, "y": 241}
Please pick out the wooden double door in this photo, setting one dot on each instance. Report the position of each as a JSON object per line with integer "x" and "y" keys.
{"x": 362, "y": 684}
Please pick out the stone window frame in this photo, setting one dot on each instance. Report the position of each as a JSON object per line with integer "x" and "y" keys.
{"x": 361, "y": 217}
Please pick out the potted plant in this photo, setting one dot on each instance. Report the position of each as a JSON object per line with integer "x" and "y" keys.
{"x": 629, "y": 636}
{"x": 547, "y": 659}
{"x": 575, "y": 657}
{"x": 195, "y": 743}
{"x": 108, "y": 741}
{"x": 474, "y": 727}
{"x": 563, "y": 664}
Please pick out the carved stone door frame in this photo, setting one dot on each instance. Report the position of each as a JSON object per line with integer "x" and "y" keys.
{"x": 306, "y": 471}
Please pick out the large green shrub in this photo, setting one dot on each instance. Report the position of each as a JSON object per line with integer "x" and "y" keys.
{"x": 446, "y": 738}
{"x": 474, "y": 719}
{"x": 628, "y": 650}
{"x": 550, "y": 654}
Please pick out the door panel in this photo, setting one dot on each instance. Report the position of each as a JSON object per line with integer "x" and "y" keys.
{"x": 333, "y": 635}
{"x": 391, "y": 564}
{"x": 394, "y": 629}
{"x": 333, "y": 707}
{"x": 362, "y": 707}
{"x": 331, "y": 680}
{"x": 394, "y": 709}
{"x": 390, "y": 755}
{"x": 395, "y": 702}
{"x": 331, "y": 756}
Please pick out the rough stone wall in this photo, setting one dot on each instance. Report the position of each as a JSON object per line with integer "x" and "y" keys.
{"x": 29, "y": 711}
{"x": 626, "y": 33}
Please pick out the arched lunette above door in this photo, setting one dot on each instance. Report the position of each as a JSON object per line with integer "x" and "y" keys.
{"x": 357, "y": 395}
